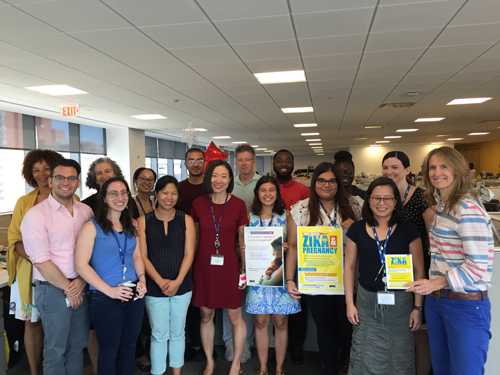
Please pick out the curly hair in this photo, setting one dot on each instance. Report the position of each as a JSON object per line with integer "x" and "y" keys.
{"x": 91, "y": 181}
{"x": 34, "y": 156}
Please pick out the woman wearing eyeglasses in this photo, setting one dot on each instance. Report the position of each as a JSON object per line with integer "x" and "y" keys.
{"x": 327, "y": 205}
{"x": 383, "y": 320}
{"x": 144, "y": 182}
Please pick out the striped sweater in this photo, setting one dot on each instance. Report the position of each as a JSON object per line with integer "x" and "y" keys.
{"x": 461, "y": 245}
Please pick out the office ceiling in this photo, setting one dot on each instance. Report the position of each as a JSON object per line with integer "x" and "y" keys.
{"x": 193, "y": 61}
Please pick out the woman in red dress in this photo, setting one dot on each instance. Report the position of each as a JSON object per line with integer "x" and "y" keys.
{"x": 219, "y": 260}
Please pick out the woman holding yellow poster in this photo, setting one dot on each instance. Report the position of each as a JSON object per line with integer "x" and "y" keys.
{"x": 383, "y": 246}
{"x": 327, "y": 206}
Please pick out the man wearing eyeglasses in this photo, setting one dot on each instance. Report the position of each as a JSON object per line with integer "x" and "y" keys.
{"x": 190, "y": 189}
{"x": 49, "y": 232}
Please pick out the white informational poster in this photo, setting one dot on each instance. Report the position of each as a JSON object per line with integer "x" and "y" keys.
{"x": 264, "y": 256}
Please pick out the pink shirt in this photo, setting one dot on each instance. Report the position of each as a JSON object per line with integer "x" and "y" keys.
{"x": 49, "y": 232}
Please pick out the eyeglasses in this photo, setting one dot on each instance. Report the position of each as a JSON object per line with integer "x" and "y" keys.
{"x": 323, "y": 182}
{"x": 144, "y": 179}
{"x": 195, "y": 161}
{"x": 59, "y": 178}
{"x": 382, "y": 199}
{"x": 117, "y": 194}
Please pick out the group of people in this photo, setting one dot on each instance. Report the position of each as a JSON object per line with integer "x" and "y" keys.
{"x": 106, "y": 271}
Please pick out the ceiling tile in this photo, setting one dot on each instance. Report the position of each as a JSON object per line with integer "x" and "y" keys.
{"x": 238, "y": 9}
{"x": 257, "y": 30}
{"x": 310, "y": 6}
{"x": 190, "y": 35}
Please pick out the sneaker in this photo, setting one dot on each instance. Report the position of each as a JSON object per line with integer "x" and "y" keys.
{"x": 229, "y": 355}
{"x": 246, "y": 355}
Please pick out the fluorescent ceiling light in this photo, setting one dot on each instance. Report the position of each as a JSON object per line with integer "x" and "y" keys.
{"x": 479, "y": 133}
{"x": 406, "y": 130}
{"x": 195, "y": 129}
{"x": 454, "y": 139}
{"x": 382, "y": 141}
{"x": 442, "y": 135}
{"x": 254, "y": 146}
{"x": 57, "y": 90}
{"x": 374, "y": 126}
{"x": 239, "y": 142}
{"x": 297, "y": 109}
{"x": 313, "y": 140}
{"x": 308, "y": 134}
{"x": 436, "y": 143}
{"x": 222, "y": 137}
{"x": 261, "y": 149}
{"x": 281, "y": 77}
{"x": 429, "y": 119}
{"x": 149, "y": 116}
{"x": 468, "y": 101}
{"x": 305, "y": 125}
{"x": 316, "y": 144}
{"x": 317, "y": 147}
{"x": 392, "y": 136}
{"x": 361, "y": 139}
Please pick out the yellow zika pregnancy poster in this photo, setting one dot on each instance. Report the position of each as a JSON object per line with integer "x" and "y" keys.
{"x": 320, "y": 260}
{"x": 399, "y": 269}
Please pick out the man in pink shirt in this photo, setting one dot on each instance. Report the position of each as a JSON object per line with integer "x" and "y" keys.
{"x": 49, "y": 232}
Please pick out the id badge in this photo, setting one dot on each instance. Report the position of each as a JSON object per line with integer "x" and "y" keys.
{"x": 386, "y": 298}
{"x": 217, "y": 260}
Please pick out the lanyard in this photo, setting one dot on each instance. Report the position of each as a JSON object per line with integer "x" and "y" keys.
{"x": 262, "y": 222}
{"x": 217, "y": 223}
{"x": 381, "y": 248}
{"x": 405, "y": 195}
{"x": 333, "y": 222}
{"x": 121, "y": 251}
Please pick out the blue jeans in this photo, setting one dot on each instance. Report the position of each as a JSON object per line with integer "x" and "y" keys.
{"x": 167, "y": 317}
{"x": 65, "y": 331}
{"x": 459, "y": 334}
{"x": 117, "y": 325}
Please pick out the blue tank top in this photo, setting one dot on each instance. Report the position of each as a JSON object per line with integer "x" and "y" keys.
{"x": 106, "y": 259}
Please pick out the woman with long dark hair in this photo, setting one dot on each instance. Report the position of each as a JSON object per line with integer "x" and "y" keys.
{"x": 108, "y": 258}
{"x": 327, "y": 205}
{"x": 383, "y": 338}
{"x": 270, "y": 303}
{"x": 457, "y": 307}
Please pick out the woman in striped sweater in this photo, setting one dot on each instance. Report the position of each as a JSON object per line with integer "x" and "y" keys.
{"x": 457, "y": 308}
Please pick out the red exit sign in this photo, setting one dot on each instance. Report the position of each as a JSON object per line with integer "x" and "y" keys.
{"x": 70, "y": 110}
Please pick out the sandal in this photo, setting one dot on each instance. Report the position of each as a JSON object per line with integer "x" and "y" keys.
{"x": 262, "y": 372}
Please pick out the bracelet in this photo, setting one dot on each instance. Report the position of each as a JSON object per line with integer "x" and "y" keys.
{"x": 419, "y": 308}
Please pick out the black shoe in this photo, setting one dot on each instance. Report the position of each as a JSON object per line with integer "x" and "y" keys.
{"x": 297, "y": 356}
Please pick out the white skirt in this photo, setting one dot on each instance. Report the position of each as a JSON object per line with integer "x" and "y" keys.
{"x": 28, "y": 311}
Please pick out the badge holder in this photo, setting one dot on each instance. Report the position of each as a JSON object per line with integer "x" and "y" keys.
{"x": 217, "y": 259}
{"x": 386, "y": 298}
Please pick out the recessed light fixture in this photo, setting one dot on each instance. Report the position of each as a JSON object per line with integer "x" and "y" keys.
{"x": 288, "y": 76}
{"x": 297, "y": 109}
{"x": 317, "y": 147}
{"x": 57, "y": 90}
{"x": 454, "y": 139}
{"x": 430, "y": 119}
{"x": 261, "y": 149}
{"x": 406, "y": 130}
{"x": 442, "y": 135}
{"x": 320, "y": 154}
{"x": 373, "y": 126}
{"x": 361, "y": 139}
{"x": 316, "y": 144}
{"x": 479, "y": 133}
{"x": 308, "y": 134}
{"x": 382, "y": 141}
{"x": 195, "y": 130}
{"x": 254, "y": 146}
{"x": 270, "y": 151}
{"x": 313, "y": 140}
{"x": 239, "y": 142}
{"x": 436, "y": 143}
{"x": 312, "y": 125}
{"x": 149, "y": 116}
{"x": 222, "y": 137}
{"x": 392, "y": 136}
{"x": 464, "y": 101}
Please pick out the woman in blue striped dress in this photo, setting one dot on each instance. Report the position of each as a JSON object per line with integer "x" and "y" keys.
{"x": 270, "y": 303}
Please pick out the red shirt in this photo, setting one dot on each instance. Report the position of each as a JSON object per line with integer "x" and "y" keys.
{"x": 292, "y": 192}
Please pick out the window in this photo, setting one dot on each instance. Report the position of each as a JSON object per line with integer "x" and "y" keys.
{"x": 12, "y": 184}
{"x": 17, "y": 131}
{"x": 166, "y": 157}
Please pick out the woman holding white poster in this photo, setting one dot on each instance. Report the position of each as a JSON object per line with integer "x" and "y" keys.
{"x": 383, "y": 319}
{"x": 327, "y": 205}
{"x": 266, "y": 302}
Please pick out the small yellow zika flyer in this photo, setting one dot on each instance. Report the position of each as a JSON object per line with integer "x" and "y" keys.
{"x": 399, "y": 270}
{"x": 320, "y": 260}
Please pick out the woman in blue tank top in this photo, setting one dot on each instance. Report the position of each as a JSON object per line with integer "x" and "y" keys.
{"x": 109, "y": 260}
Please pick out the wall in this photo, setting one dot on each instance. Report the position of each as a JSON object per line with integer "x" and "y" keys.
{"x": 484, "y": 155}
